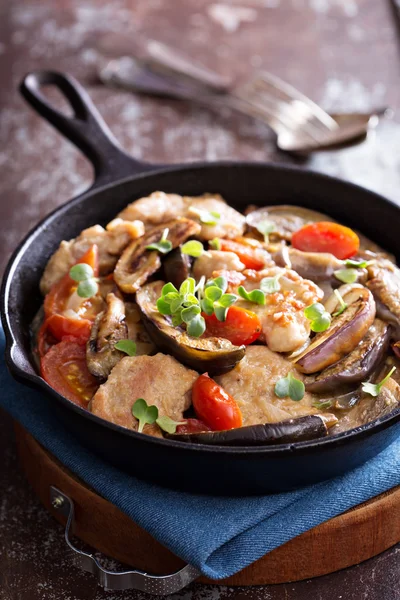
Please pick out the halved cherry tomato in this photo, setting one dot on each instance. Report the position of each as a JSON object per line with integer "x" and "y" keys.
{"x": 64, "y": 368}
{"x": 325, "y": 236}
{"x": 56, "y": 299}
{"x": 60, "y": 327}
{"x": 240, "y": 327}
{"x": 192, "y": 426}
{"x": 246, "y": 254}
{"x": 214, "y": 406}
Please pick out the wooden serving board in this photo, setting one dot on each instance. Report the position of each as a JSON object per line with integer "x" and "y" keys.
{"x": 346, "y": 540}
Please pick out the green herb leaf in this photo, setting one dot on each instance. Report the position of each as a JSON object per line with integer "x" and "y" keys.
{"x": 270, "y": 285}
{"x": 187, "y": 287}
{"x": 265, "y": 228}
{"x": 168, "y": 288}
{"x": 215, "y": 244}
{"x": 290, "y": 386}
{"x": 319, "y": 317}
{"x": 164, "y": 246}
{"x": 213, "y": 293}
{"x": 374, "y": 389}
{"x": 207, "y": 306}
{"x": 197, "y": 326}
{"x": 188, "y": 314}
{"x": 163, "y": 307}
{"x": 322, "y": 404}
{"x": 193, "y": 248}
{"x": 167, "y": 424}
{"x": 362, "y": 264}
{"x": 127, "y": 346}
{"x": 220, "y": 282}
{"x": 346, "y": 275}
{"x": 205, "y": 216}
{"x": 87, "y": 288}
{"x": 222, "y": 306}
{"x": 81, "y": 272}
{"x": 314, "y": 311}
{"x": 342, "y": 304}
{"x": 255, "y": 296}
{"x": 144, "y": 413}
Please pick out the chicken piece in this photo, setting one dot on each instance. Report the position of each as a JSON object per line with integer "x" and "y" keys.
{"x": 385, "y": 285}
{"x": 155, "y": 209}
{"x": 231, "y": 223}
{"x": 284, "y": 325}
{"x": 110, "y": 242}
{"x": 108, "y": 329}
{"x": 251, "y": 383}
{"x": 160, "y": 207}
{"x": 137, "y": 331}
{"x": 216, "y": 260}
{"x": 161, "y": 380}
{"x": 370, "y": 408}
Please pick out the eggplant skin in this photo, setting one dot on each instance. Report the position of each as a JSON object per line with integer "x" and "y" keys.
{"x": 345, "y": 333}
{"x": 302, "y": 429}
{"x": 356, "y": 366}
{"x": 214, "y": 355}
{"x": 177, "y": 267}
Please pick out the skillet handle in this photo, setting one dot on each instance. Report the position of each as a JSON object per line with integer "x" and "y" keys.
{"x": 86, "y": 128}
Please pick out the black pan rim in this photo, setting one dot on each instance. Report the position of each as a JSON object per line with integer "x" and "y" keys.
{"x": 37, "y": 381}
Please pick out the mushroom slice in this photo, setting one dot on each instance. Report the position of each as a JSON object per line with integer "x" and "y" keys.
{"x": 384, "y": 283}
{"x": 317, "y": 266}
{"x": 286, "y": 218}
{"x": 137, "y": 263}
{"x": 284, "y": 432}
{"x": 357, "y": 365}
{"x": 108, "y": 328}
{"x": 215, "y": 355}
{"x": 344, "y": 334}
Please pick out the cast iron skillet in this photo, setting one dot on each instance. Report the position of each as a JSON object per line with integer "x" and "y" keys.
{"x": 119, "y": 179}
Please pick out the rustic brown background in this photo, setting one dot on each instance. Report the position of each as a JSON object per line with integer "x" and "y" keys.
{"x": 343, "y": 53}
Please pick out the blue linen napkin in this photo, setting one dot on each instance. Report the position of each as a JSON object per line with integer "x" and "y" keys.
{"x": 219, "y": 536}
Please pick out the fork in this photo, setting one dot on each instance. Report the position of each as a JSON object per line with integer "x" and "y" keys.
{"x": 300, "y": 124}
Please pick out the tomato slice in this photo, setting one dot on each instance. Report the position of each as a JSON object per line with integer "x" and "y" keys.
{"x": 240, "y": 327}
{"x": 247, "y": 254}
{"x": 214, "y": 406}
{"x": 60, "y": 327}
{"x": 56, "y": 300}
{"x": 325, "y": 236}
{"x": 64, "y": 368}
{"x": 192, "y": 426}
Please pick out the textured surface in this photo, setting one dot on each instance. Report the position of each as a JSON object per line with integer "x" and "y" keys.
{"x": 344, "y": 53}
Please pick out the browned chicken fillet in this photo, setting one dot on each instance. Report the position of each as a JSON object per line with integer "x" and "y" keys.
{"x": 161, "y": 380}
{"x": 110, "y": 243}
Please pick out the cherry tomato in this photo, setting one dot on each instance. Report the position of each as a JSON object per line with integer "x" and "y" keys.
{"x": 64, "y": 368}
{"x": 241, "y": 326}
{"x": 192, "y": 426}
{"x": 247, "y": 254}
{"x": 56, "y": 300}
{"x": 324, "y": 236}
{"x": 214, "y": 406}
{"x": 60, "y": 327}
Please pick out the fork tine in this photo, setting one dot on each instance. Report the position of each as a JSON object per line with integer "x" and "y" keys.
{"x": 292, "y": 117}
{"x": 291, "y": 92}
{"x": 265, "y": 89}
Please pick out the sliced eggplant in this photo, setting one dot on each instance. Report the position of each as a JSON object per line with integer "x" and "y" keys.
{"x": 215, "y": 355}
{"x": 344, "y": 334}
{"x": 317, "y": 266}
{"x": 284, "y": 432}
{"x": 108, "y": 329}
{"x": 137, "y": 263}
{"x": 356, "y": 366}
{"x": 177, "y": 267}
{"x": 286, "y": 218}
